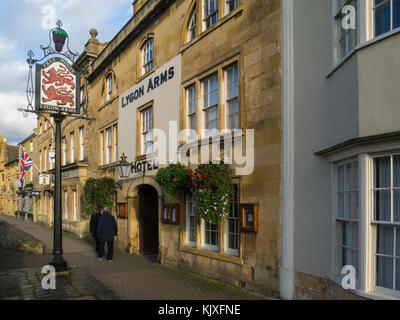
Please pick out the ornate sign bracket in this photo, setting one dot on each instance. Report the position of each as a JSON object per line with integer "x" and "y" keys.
{"x": 58, "y": 39}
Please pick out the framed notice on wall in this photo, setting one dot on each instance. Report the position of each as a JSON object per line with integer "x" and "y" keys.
{"x": 170, "y": 213}
{"x": 249, "y": 215}
{"x": 122, "y": 210}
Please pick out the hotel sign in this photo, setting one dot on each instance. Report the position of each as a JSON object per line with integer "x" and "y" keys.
{"x": 57, "y": 86}
{"x": 140, "y": 91}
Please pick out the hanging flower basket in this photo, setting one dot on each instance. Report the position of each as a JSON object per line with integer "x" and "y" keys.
{"x": 173, "y": 178}
{"x": 98, "y": 194}
{"x": 212, "y": 191}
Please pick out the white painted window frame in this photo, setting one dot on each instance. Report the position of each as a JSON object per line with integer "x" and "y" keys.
{"x": 367, "y": 236}
{"x": 225, "y": 87}
{"x": 115, "y": 143}
{"x": 189, "y": 113}
{"x": 188, "y": 215}
{"x": 66, "y": 205}
{"x": 72, "y": 147}
{"x": 81, "y": 143}
{"x": 64, "y": 151}
{"x": 75, "y": 204}
{"x": 109, "y": 143}
{"x": 230, "y": 251}
{"x": 371, "y": 25}
{"x": 203, "y": 238}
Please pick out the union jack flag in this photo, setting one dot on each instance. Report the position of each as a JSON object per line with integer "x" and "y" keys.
{"x": 26, "y": 164}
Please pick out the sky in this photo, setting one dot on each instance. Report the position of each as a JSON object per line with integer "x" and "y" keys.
{"x": 25, "y": 25}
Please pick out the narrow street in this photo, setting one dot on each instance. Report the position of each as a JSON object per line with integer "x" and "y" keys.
{"x": 127, "y": 277}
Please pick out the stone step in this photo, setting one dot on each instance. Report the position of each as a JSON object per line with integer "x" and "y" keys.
{"x": 14, "y": 238}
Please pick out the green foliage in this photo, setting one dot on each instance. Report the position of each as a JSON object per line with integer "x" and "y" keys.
{"x": 173, "y": 178}
{"x": 98, "y": 194}
{"x": 212, "y": 191}
{"x": 60, "y": 32}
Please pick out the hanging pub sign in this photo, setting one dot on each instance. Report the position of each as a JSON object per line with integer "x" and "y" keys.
{"x": 57, "y": 86}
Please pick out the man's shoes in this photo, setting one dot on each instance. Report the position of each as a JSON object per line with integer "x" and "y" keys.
{"x": 100, "y": 259}
{"x": 109, "y": 260}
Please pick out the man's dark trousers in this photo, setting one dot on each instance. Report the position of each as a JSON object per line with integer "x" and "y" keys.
{"x": 110, "y": 249}
{"x": 97, "y": 245}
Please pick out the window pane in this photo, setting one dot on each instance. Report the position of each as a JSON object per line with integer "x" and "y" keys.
{"x": 382, "y": 172}
{"x": 382, "y": 17}
{"x": 354, "y": 182}
{"x": 354, "y": 205}
{"x": 340, "y": 181}
{"x": 396, "y": 170}
{"x": 341, "y": 205}
{"x": 396, "y": 205}
{"x": 384, "y": 272}
{"x": 382, "y": 205}
{"x": 398, "y": 274}
{"x": 398, "y": 242}
{"x": 348, "y": 205}
{"x": 354, "y": 236}
{"x": 385, "y": 240}
{"x": 343, "y": 234}
{"x": 396, "y": 14}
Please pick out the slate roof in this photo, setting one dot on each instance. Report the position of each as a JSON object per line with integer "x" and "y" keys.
{"x": 11, "y": 154}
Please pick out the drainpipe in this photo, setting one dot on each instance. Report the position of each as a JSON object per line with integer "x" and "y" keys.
{"x": 287, "y": 265}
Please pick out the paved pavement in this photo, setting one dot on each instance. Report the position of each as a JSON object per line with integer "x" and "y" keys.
{"x": 127, "y": 277}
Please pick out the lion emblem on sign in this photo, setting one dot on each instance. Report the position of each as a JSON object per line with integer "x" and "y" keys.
{"x": 57, "y": 86}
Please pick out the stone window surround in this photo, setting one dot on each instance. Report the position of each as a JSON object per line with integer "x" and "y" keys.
{"x": 222, "y": 252}
{"x": 220, "y": 68}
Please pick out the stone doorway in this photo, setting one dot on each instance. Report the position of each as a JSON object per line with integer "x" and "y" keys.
{"x": 148, "y": 221}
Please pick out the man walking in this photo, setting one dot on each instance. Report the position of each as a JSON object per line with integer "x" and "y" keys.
{"x": 106, "y": 231}
{"x": 94, "y": 222}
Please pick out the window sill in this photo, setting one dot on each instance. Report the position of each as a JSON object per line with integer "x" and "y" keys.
{"x": 374, "y": 295}
{"x": 196, "y": 143}
{"x": 107, "y": 166}
{"x": 144, "y": 76}
{"x": 238, "y": 11}
{"x": 362, "y": 46}
{"x": 212, "y": 255}
{"x": 105, "y": 104}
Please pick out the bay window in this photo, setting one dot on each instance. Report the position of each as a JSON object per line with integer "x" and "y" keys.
{"x": 386, "y": 16}
{"x": 386, "y": 221}
{"x": 345, "y": 39}
{"x": 347, "y": 214}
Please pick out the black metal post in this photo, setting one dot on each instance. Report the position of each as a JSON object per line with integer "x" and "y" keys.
{"x": 58, "y": 261}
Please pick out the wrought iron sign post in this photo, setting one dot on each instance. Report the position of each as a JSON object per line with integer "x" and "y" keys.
{"x": 56, "y": 93}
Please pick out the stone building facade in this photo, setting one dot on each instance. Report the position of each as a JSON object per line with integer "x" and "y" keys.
{"x": 9, "y": 161}
{"x": 28, "y": 197}
{"x": 142, "y": 80}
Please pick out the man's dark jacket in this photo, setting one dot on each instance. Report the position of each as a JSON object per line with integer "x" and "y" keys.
{"x": 94, "y": 222}
{"x": 107, "y": 227}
